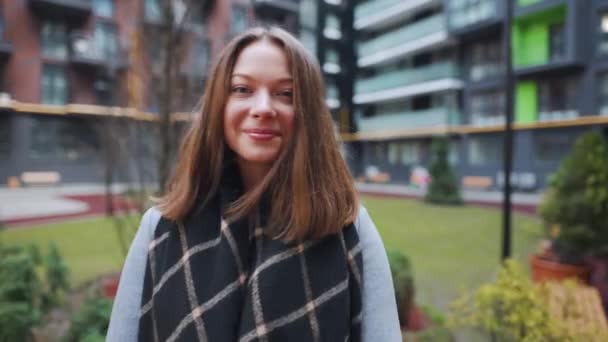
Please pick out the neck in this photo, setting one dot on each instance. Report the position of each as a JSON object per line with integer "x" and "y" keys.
{"x": 252, "y": 174}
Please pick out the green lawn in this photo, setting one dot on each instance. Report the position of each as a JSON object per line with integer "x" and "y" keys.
{"x": 90, "y": 247}
{"x": 451, "y": 248}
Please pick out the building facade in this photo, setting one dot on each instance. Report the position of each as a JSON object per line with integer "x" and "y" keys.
{"x": 81, "y": 75}
{"x": 435, "y": 67}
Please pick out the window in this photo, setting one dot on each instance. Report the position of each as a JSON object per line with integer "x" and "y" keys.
{"x": 54, "y": 85}
{"x": 332, "y": 61}
{"x": 152, "y": 10}
{"x": 200, "y": 57}
{"x": 54, "y": 39}
{"x": 65, "y": 139}
{"x": 105, "y": 41}
{"x": 557, "y": 99}
{"x": 393, "y": 153}
{"x": 485, "y": 150}
{"x": 551, "y": 148}
{"x": 308, "y": 14}
{"x": 488, "y": 108}
{"x": 603, "y": 94}
{"x": 309, "y": 39}
{"x": 603, "y": 37}
{"x": 486, "y": 60}
{"x": 557, "y": 43}
{"x": 103, "y": 8}
{"x": 410, "y": 153}
{"x": 103, "y": 91}
{"x": 239, "y": 19}
{"x": 5, "y": 137}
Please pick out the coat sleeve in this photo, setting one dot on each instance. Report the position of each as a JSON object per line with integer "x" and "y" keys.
{"x": 380, "y": 321}
{"x": 124, "y": 320}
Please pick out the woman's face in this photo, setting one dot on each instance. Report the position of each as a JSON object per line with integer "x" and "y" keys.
{"x": 259, "y": 113}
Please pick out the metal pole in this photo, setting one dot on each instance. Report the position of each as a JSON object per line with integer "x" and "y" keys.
{"x": 508, "y": 133}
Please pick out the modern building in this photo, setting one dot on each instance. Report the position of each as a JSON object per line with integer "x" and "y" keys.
{"x": 78, "y": 76}
{"x": 429, "y": 68}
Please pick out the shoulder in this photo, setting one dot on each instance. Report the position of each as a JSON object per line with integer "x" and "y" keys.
{"x": 149, "y": 221}
{"x": 365, "y": 227}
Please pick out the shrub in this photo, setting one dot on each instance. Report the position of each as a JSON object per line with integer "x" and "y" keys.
{"x": 577, "y": 200}
{"x": 91, "y": 322}
{"x": 511, "y": 308}
{"x": 403, "y": 282}
{"x": 444, "y": 186}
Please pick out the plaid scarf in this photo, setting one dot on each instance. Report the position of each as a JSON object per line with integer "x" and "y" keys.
{"x": 207, "y": 280}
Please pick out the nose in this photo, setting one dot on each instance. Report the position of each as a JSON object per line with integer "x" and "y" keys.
{"x": 262, "y": 104}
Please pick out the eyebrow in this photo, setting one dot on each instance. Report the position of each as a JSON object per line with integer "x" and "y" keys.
{"x": 280, "y": 80}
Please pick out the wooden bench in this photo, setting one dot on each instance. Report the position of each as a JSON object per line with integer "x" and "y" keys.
{"x": 579, "y": 308}
{"x": 40, "y": 177}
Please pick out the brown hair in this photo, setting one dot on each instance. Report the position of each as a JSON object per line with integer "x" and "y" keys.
{"x": 312, "y": 191}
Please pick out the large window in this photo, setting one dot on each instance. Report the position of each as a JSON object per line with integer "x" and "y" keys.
{"x": 603, "y": 35}
{"x": 239, "y": 20}
{"x": 152, "y": 10}
{"x": 103, "y": 8}
{"x": 54, "y": 39}
{"x": 557, "y": 43}
{"x": 603, "y": 94}
{"x": 488, "y": 108}
{"x": 486, "y": 60}
{"x": 63, "y": 139}
{"x": 551, "y": 147}
{"x": 557, "y": 99}
{"x": 200, "y": 57}
{"x": 410, "y": 153}
{"x": 105, "y": 40}
{"x": 54, "y": 87}
{"x": 485, "y": 150}
{"x": 332, "y": 27}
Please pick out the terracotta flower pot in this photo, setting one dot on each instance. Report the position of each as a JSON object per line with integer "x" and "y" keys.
{"x": 546, "y": 270}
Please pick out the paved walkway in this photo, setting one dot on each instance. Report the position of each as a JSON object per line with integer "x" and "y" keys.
{"x": 25, "y": 206}
{"x": 522, "y": 202}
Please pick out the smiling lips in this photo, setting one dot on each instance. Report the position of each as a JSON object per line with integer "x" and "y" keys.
{"x": 262, "y": 134}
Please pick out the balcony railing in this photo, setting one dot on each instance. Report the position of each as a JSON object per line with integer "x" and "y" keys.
{"x": 484, "y": 10}
{"x": 434, "y": 117}
{"x": 85, "y": 50}
{"x": 379, "y": 13}
{"x": 403, "y": 41}
{"x": 406, "y": 77}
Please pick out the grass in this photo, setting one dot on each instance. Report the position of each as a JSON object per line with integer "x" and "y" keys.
{"x": 451, "y": 248}
{"x": 90, "y": 247}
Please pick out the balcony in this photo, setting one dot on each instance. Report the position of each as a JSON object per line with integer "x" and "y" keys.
{"x": 475, "y": 18}
{"x": 544, "y": 38}
{"x": 434, "y": 117}
{"x": 86, "y": 52}
{"x": 77, "y": 10}
{"x": 407, "y": 83}
{"x": 418, "y": 36}
{"x": 377, "y": 14}
{"x": 529, "y": 7}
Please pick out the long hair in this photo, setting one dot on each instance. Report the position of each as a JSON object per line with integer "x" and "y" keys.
{"x": 310, "y": 188}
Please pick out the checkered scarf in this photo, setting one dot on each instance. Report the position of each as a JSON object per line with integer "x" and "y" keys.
{"x": 208, "y": 280}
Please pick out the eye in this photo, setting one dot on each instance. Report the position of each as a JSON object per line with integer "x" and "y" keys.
{"x": 286, "y": 93}
{"x": 240, "y": 89}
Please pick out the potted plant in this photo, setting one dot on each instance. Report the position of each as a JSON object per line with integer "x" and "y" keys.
{"x": 575, "y": 210}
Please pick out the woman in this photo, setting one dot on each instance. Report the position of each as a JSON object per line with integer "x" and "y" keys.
{"x": 260, "y": 236}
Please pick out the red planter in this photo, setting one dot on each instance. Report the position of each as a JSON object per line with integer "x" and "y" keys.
{"x": 546, "y": 270}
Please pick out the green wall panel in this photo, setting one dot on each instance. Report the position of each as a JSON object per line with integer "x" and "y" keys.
{"x": 530, "y": 36}
{"x": 526, "y": 102}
